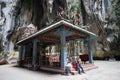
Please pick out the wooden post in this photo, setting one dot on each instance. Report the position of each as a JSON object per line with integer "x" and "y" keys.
{"x": 63, "y": 47}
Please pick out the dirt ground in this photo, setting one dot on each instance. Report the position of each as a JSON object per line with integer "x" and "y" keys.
{"x": 107, "y": 70}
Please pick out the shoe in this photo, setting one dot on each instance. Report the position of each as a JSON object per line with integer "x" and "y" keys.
{"x": 83, "y": 72}
{"x": 80, "y": 73}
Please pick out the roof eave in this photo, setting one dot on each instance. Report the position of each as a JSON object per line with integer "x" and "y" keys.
{"x": 53, "y": 26}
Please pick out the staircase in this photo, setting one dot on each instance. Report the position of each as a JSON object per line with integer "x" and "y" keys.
{"x": 86, "y": 67}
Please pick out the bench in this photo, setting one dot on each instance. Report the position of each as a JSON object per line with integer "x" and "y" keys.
{"x": 84, "y": 58}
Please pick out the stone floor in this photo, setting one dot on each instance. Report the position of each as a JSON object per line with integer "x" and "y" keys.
{"x": 107, "y": 70}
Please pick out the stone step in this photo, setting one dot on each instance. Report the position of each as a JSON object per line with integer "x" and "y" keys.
{"x": 74, "y": 72}
{"x": 86, "y": 67}
{"x": 90, "y": 68}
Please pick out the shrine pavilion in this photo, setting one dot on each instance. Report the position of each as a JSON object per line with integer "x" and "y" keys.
{"x": 32, "y": 51}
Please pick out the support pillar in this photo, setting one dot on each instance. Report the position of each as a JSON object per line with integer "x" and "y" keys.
{"x": 20, "y": 55}
{"x": 34, "y": 59}
{"x": 90, "y": 51}
{"x": 63, "y": 48}
{"x": 23, "y": 53}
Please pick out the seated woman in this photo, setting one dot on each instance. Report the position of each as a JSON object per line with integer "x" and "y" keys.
{"x": 79, "y": 68}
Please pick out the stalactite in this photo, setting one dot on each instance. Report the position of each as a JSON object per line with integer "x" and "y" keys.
{"x": 57, "y": 4}
{"x": 83, "y": 11}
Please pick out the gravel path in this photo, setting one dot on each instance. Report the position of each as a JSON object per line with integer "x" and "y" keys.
{"x": 107, "y": 70}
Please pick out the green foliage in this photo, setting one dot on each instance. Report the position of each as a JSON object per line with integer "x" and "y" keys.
{"x": 72, "y": 8}
{"x": 117, "y": 12}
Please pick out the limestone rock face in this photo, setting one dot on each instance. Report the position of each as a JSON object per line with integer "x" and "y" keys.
{"x": 101, "y": 21}
{"x": 29, "y": 30}
{"x": 7, "y": 8}
{"x": 16, "y": 15}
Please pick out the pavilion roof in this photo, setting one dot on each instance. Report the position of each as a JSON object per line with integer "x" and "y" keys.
{"x": 55, "y": 25}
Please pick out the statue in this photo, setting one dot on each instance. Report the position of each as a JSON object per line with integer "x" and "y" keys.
{"x": 77, "y": 19}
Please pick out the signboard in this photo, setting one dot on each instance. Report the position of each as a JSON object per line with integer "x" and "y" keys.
{"x": 54, "y": 58}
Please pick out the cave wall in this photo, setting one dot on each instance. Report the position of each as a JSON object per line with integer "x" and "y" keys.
{"x": 100, "y": 18}
{"x": 16, "y": 14}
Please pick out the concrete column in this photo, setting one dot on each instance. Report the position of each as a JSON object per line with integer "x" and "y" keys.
{"x": 90, "y": 51}
{"x": 20, "y": 55}
{"x": 63, "y": 48}
{"x": 34, "y": 59}
{"x": 23, "y": 52}
{"x": 82, "y": 47}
